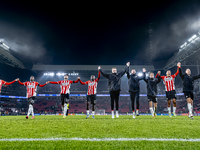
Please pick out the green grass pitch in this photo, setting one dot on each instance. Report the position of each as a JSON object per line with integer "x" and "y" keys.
{"x": 100, "y": 127}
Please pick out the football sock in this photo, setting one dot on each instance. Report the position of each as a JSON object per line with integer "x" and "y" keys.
{"x": 155, "y": 108}
{"x": 174, "y": 109}
{"x": 117, "y": 115}
{"x": 32, "y": 111}
{"x": 112, "y": 112}
{"x": 151, "y": 110}
{"x": 88, "y": 112}
{"x": 93, "y": 112}
{"x": 189, "y": 108}
{"x": 169, "y": 110}
{"x": 65, "y": 109}
{"x": 29, "y": 110}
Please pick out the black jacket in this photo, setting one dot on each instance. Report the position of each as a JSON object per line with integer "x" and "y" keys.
{"x": 152, "y": 85}
{"x": 114, "y": 80}
{"x": 188, "y": 81}
{"x": 133, "y": 81}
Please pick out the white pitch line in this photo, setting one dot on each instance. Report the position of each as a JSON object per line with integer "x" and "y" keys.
{"x": 100, "y": 139}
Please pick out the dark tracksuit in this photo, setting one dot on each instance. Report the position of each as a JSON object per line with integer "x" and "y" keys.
{"x": 134, "y": 88}
{"x": 152, "y": 88}
{"x": 114, "y": 82}
{"x": 188, "y": 83}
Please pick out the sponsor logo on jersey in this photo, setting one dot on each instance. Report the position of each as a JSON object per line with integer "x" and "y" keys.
{"x": 65, "y": 84}
{"x": 31, "y": 86}
{"x": 168, "y": 79}
{"x": 92, "y": 83}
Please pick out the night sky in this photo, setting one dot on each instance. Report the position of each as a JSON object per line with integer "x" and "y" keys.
{"x": 97, "y": 33}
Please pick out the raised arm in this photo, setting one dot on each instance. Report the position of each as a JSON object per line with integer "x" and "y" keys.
{"x": 122, "y": 73}
{"x": 127, "y": 72}
{"x": 21, "y": 82}
{"x": 99, "y": 75}
{"x": 75, "y": 81}
{"x": 142, "y": 77}
{"x": 180, "y": 73}
{"x": 83, "y": 83}
{"x": 158, "y": 79}
{"x": 144, "y": 74}
{"x": 9, "y": 83}
{"x": 42, "y": 85}
{"x": 177, "y": 72}
{"x": 53, "y": 82}
{"x": 103, "y": 73}
{"x": 158, "y": 74}
{"x": 196, "y": 77}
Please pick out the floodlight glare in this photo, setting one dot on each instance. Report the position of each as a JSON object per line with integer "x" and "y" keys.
{"x": 182, "y": 46}
{"x": 192, "y": 38}
{"x": 140, "y": 74}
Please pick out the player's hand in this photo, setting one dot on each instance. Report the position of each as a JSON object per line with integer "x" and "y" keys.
{"x": 99, "y": 67}
{"x": 47, "y": 82}
{"x": 128, "y": 63}
{"x": 17, "y": 79}
{"x": 144, "y": 70}
{"x": 78, "y": 78}
{"x": 159, "y": 72}
{"x": 179, "y": 64}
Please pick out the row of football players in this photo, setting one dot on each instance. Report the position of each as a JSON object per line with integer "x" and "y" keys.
{"x": 114, "y": 79}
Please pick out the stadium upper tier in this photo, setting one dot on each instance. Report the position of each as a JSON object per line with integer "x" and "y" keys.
{"x": 190, "y": 50}
{"x": 7, "y": 58}
{"x": 86, "y": 67}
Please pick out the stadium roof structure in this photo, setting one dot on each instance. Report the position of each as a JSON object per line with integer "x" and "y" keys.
{"x": 189, "y": 53}
{"x": 86, "y": 67}
{"x": 7, "y": 58}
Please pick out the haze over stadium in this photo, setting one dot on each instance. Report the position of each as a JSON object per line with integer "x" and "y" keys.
{"x": 66, "y": 43}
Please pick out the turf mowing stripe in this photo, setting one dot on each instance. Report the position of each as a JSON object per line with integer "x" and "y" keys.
{"x": 100, "y": 139}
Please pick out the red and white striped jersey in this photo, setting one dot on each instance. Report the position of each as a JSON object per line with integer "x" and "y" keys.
{"x": 31, "y": 88}
{"x": 169, "y": 81}
{"x": 92, "y": 85}
{"x": 2, "y": 82}
{"x": 64, "y": 85}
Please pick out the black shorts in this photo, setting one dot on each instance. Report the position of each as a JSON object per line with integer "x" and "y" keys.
{"x": 31, "y": 100}
{"x": 189, "y": 95}
{"x": 170, "y": 95}
{"x": 64, "y": 98}
{"x": 91, "y": 98}
{"x": 153, "y": 99}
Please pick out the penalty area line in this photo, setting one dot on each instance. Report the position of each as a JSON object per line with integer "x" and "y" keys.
{"x": 100, "y": 139}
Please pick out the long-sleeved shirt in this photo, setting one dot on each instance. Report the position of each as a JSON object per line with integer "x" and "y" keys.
{"x": 64, "y": 85}
{"x": 133, "y": 81}
{"x": 114, "y": 80}
{"x": 152, "y": 85}
{"x": 188, "y": 81}
{"x": 31, "y": 88}
{"x": 2, "y": 82}
{"x": 92, "y": 85}
{"x": 169, "y": 81}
